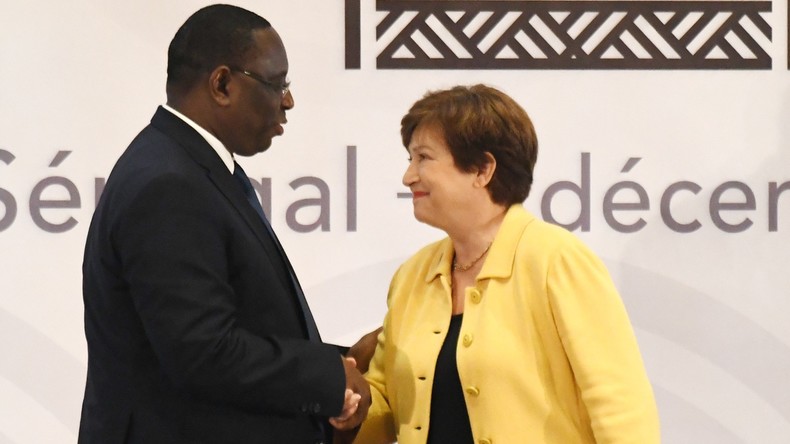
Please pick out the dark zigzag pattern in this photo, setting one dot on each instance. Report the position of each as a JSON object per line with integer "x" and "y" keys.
{"x": 572, "y": 56}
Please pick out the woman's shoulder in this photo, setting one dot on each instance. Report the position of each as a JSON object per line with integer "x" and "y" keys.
{"x": 541, "y": 236}
{"x": 519, "y": 219}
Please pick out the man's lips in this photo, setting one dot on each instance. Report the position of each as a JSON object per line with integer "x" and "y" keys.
{"x": 418, "y": 194}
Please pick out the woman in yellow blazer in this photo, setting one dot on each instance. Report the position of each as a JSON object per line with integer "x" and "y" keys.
{"x": 510, "y": 330}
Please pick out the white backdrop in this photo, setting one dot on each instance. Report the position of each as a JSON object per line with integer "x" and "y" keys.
{"x": 710, "y": 307}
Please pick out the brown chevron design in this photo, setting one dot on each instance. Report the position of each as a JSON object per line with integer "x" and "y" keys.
{"x": 487, "y": 34}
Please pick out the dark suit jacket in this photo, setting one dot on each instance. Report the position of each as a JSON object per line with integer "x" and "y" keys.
{"x": 194, "y": 332}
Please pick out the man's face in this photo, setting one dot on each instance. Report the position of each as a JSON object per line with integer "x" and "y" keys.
{"x": 258, "y": 105}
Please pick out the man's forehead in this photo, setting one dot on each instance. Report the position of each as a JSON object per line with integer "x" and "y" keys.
{"x": 269, "y": 53}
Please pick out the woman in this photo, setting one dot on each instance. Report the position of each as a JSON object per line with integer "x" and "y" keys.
{"x": 509, "y": 330}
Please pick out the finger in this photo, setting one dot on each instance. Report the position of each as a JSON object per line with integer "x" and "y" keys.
{"x": 340, "y": 425}
{"x": 350, "y": 408}
{"x": 342, "y": 421}
{"x": 347, "y": 413}
{"x": 343, "y": 425}
{"x": 350, "y": 405}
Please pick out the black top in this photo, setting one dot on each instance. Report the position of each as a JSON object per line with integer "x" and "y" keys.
{"x": 449, "y": 418}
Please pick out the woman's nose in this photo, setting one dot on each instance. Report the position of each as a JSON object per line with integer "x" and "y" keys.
{"x": 410, "y": 175}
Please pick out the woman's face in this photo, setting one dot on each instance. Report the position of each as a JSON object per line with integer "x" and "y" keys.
{"x": 441, "y": 191}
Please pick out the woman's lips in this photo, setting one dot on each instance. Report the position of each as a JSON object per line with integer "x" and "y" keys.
{"x": 418, "y": 194}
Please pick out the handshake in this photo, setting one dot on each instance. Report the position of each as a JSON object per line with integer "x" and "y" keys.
{"x": 357, "y": 396}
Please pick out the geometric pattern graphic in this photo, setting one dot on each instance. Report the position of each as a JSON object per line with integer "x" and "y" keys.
{"x": 436, "y": 34}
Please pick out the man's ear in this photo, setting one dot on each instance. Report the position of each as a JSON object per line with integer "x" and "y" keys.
{"x": 486, "y": 172}
{"x": 220, "y": 84}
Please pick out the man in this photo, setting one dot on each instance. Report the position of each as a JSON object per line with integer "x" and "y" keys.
{"x": 197, "y": 329}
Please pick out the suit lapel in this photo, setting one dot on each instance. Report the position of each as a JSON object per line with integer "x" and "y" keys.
{"x": 204, "y": 155}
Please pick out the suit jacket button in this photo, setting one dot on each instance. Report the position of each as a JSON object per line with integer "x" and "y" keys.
{"x": 316, "y": 408}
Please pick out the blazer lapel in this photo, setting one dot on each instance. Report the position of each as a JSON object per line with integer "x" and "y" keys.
{"x": 204, "y": 155}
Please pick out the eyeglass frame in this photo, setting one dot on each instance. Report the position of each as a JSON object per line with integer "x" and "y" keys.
{"x": 284, "y": 88}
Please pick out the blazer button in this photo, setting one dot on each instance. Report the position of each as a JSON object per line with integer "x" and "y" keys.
{"x": 476, "y": 296}
{"x": 303, "y": 408}
{"x": 316, "y": 408}
{"x": 472, "y": 390}
{"x": 468, "y": 339}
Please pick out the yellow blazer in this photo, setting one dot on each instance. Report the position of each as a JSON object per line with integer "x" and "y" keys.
{"x": 546, "y": 353}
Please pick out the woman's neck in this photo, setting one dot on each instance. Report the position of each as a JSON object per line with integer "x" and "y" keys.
{"x": 472, "y": 238}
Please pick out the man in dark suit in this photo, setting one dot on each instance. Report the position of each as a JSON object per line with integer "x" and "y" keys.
{"x": 197, "y": 329}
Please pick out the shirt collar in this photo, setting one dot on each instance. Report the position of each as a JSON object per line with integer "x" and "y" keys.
{"x": 501, "y": 257}
{"x": 222, "y": 152}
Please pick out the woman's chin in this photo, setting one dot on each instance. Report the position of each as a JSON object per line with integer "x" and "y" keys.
{"x": 418, "y": 214}
{"x": 424, "y": 219}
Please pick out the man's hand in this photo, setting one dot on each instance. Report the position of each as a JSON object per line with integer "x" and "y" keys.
{"x": 350, "y": 405}
{"x": 357, "y": 400}
{"x": 363, "y": 350}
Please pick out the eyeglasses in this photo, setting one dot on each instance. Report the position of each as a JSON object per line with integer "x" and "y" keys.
{"x": 282, "y": 88}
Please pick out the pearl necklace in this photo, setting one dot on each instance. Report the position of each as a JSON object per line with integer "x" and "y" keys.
{"x": 457, "y": 267}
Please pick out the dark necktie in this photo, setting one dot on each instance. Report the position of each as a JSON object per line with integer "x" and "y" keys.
{"x": 249, "y": 191}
